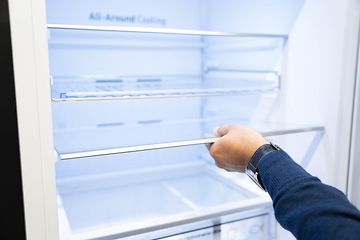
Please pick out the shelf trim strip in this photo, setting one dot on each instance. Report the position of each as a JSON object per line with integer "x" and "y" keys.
{"x": 161, "y": 31}
{"x": 139, "y": 148}
{"x": 112, "y": 151}
{"x": 164, "y": 94}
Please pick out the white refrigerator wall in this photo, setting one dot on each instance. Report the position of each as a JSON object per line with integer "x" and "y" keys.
{"x": 320, "y": 81}
{"x": 354, "y": 168}
{"x": 30, "y": 59}
{"x": 319, "y": 89}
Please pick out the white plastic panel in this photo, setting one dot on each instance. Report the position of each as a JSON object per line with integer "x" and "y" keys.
{"x": 156, "y": 13}
{"x": 103, "y": 55}
{"x": 256, "y": 16}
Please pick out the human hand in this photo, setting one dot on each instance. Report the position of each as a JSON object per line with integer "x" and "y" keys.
{"x": 236, "y": 146}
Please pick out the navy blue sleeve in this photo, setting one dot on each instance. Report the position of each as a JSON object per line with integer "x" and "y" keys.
{"x": 304, "y": 205}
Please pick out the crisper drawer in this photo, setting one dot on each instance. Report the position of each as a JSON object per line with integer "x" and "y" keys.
{"x": 256, "y": 228}
{"x": 133, "y": 200}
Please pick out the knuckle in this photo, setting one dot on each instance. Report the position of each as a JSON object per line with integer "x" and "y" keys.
{"x": 218, "y": 164}
{"x": 214, "y": 150}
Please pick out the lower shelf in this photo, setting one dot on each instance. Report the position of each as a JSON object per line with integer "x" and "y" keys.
{"x": 83, "y": 143}
{"x": 130, "y": 203}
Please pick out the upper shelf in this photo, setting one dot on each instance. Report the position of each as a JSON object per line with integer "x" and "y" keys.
{"x": 230, "y": 82}
{"x": 140, "y": 38}
{"x": 161, "y": 31}
{"x": 122, "y": 62}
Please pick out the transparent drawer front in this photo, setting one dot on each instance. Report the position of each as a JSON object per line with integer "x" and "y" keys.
{"x": 254, "y": 228}
{"x": 124, "y": 201}
{"x": 206, "y": 191}
{"x": 104, "y": 207}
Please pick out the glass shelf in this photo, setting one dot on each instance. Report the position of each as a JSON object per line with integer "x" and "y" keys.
{"x": 172, "y": 31}
{"x": 152, "y": 62}
{"x": 140, "y": 38}
{"x": 84, "y": 143}
{"x": 95, "y": 88}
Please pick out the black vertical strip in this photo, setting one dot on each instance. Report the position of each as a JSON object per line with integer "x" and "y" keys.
{"x": 11, "y": 196}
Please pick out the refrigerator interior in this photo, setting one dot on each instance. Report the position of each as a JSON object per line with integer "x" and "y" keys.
{"x": 137, "y": 85}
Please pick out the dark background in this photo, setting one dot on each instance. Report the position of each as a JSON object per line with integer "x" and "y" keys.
{"x": 11, "y": 197}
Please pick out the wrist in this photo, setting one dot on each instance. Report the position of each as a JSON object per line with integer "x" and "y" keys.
{"x": 252, "y": 166}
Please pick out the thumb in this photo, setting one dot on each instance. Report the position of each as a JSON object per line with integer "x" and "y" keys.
{"x": 220, "y": 131}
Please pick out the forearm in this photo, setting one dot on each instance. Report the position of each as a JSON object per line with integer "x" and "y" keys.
{"x": 304, "y": 205}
